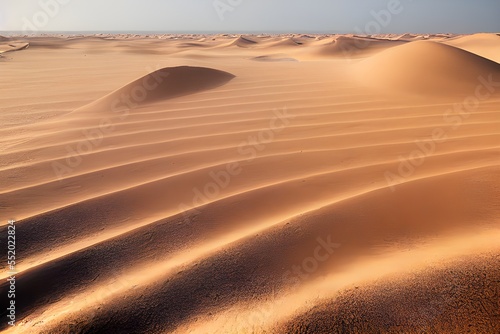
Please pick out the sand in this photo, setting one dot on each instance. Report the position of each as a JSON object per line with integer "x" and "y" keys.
{"x": 252, "y": 184}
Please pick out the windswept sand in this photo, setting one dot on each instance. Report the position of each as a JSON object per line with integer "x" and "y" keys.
{"x": 252, "y": 184}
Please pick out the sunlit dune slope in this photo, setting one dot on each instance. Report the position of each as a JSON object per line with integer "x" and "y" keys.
{"x": 428, "y": 68}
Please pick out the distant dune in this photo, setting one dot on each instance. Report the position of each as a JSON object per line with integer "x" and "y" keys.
{"x": 244, "y": 42}
{"x": 252, "y": 184}
{"x": 13, "y": 46}
{"x": 348, "y": 47}
{"x": 285, "y": 42}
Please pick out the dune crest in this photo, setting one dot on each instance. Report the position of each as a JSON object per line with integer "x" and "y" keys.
{"x": 244, "y": 42}
{"x": 163, "y": 84}
{"x": 347, "y": 46}
{"x": 286, "y": 42}
{"x": 13, "y": 46}
{"x": 427, "y": 68}
{"x": 484, "y": 45}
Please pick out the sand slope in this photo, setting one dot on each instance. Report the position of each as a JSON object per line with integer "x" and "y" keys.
{"x": 13, "y": 46}
{"x": 161, "y": 85}
{"x": 485, "y": 45}
{"x": 354, "y": 47}
{"x": 403, "y": 304}
{"x": 252, "y": 184}
{"x": 410, "y": 68}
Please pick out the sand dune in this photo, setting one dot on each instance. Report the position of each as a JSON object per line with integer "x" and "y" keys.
{"x": 252, "y": 184}
{"x": 244, "y": 42}
{"x": 274, "y": 57}
{"x": 13, "y": 46}
{"x": 162, "y": 84}
{"x": 402, "y": 303}
{"x": 286, "y": 42}
{"x": 411, "y": 37}
{"x": 349, "y": 47}
{"x": 485, "y": 45}
{"x": 451, "y": 69}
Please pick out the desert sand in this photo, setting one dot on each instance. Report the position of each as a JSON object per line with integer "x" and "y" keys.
{"x": 252, "y": 184}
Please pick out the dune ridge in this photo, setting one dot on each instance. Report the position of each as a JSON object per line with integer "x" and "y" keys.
{"x": 162, "y": 84}
{"x": 454, "y": 70}
{"x": 243, "y": 42}
{"x": 347, "y": 46}
{"x": 13, "y": 46}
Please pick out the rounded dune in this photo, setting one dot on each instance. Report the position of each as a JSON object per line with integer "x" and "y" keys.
{"x": 484, "y": 45}
{"x": 427, "y": 68}
{"x": 163, "y": 84}
{"x": 353, "y": 46}
{"x": 474, "y": 39}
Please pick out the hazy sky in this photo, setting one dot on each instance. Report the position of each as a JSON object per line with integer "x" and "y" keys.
{"x": 336, "y": 16}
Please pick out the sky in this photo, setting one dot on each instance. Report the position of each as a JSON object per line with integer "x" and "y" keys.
{"x": 232, "y": 16}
